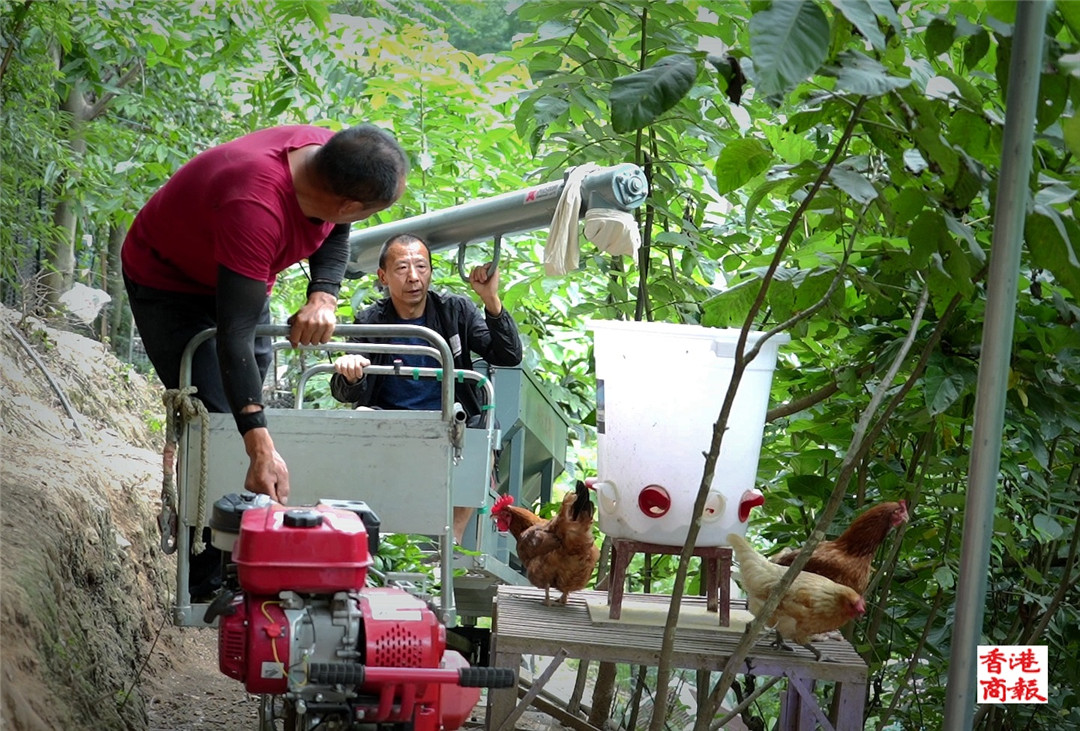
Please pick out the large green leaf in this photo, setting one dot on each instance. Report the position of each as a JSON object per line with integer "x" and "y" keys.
{"x": 939, "y": 37}
{"x": 1070, "y": 13}
{"x": 1053, "y": 91}
{"x": 929, "y": 234}
{"x": 1050, "y": 242}
{"x": 730, "y": 307}
{"x": 788, "y": 41}
{"x": 740, "y": 162}
{"x": 863, "y": 76}
{"x": 639, "y": 98}
{"x": 854, "y": 184}
{"x": 944, "y": 387}
{"x": 1070, "y": 130}
{"x": 863, "y": 17}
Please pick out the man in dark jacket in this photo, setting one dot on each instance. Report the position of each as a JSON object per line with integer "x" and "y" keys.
{"x": 405, "y": 271}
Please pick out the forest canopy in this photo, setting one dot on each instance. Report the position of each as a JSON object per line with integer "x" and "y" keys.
{"x": 846, "y": 153}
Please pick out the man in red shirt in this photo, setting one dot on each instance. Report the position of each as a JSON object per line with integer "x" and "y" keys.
{"x": 206, "y": 249}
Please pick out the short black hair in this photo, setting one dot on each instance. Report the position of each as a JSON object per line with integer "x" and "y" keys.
{"x": 362, "y": 163}
{"x": 401, "y": 239}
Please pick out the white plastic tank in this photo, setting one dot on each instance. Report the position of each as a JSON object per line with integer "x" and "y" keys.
{"x": 660, "y": 387}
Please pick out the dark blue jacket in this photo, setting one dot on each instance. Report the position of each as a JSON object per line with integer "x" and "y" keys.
{"x": 466, "y": 327}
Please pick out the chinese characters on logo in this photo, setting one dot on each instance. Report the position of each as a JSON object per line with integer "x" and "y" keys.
{"x": 1012, "y": 674}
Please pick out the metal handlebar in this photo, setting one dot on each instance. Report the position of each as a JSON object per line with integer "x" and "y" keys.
{"x": 442, "y": 350}
{"x": 400, "y": 370}
{"x": 491, "y": 267}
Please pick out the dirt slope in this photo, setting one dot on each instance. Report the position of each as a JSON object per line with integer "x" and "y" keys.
{"x": 83, "y": 584}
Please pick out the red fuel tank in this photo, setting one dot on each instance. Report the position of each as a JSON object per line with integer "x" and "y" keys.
{"x": 307, "y": 550}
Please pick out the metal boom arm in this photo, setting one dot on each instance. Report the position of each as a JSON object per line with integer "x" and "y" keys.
{"x": 622, "y": 187}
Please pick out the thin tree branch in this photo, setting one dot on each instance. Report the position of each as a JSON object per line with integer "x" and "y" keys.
{"x": 20, "y": 17}
{"x": 811, "y": 399}
{"x": 99, "y": 106}
{"x": 663, "y": 672}
{"x": 915, "y": 656}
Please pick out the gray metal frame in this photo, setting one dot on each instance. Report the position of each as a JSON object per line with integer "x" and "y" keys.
{"x": 335, "y": 454}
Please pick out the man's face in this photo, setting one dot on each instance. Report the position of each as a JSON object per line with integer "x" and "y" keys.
{"x": 407, "y": 274}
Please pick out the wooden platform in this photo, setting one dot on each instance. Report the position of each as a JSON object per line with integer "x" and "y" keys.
{"x": 522, "y": 625}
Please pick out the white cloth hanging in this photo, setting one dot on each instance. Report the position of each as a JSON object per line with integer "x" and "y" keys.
{"x": 562, "y": 249}
{"x": 613, "y": 231}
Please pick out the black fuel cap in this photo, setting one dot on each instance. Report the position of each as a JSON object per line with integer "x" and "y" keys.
{"x": 302, "y": 518}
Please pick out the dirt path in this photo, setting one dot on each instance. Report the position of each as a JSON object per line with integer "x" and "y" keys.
{"x": 188, "y": 692}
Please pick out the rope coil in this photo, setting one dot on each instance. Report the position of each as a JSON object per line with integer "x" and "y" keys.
{"x": 180, "y": 409}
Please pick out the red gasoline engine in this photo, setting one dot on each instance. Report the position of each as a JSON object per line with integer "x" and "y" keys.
{"x": 303, "y": 626}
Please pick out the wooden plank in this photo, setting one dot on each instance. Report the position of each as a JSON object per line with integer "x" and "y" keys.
{"x": 850, "y": 706}
{"x": 809, "y": 711}
{"x": 528, "y": 627}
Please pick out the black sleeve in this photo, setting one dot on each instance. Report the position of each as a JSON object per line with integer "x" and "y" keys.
{"x": 359, "y": 393}
{"x": 240, "y": 302}
{"x": 494, "y": 337}
{"x": 329, "y": 260}
{"x": 350, "y": 393}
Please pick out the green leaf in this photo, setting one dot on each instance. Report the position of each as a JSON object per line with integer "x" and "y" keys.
{"x": 1053, "y": 92}
{"x": 739, "y": 162}
{"x": 639, "y": 98}
{"x": 1070, "y": 130}
{"x": 1005, "y": 9}
{"x": 759, "y": 194}
{"x": 863, "y": 76}
{"x": 942, "y": 389}
{"x": 789, "y": 41}
{"x": 1046, "y": 525}
{"x": 318, "y": 13}
{"x": 939, "y": 37}
{"x": 927, "y": 236}
{"x": 544, "y": 64}
{"x": 976, "y": 48}
{"x": 854, "y": 184}
{"x": 953, "y": 500}
{"x": 548, "y": 109}
{"x": 809, "y": 486}
{"x": 908, "y": 203}
{"x": 792, "y": 148}
{"x": 1051, "y": 250}
{"x": 944, "y": 577}
{"x": 863, "y": 17}
{"x": 1070, "y": 13}
{"x": 969, "y": 131}
{"x": 730, "y": 307}
{"x": 938, "y": 151}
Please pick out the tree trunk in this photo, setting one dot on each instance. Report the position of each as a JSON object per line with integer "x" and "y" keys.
{"x": 60, "y": 260}
{"x": 114, "y": 284}
{"x": 603, "y": 694}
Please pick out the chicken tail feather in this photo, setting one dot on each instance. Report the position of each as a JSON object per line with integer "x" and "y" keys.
{"x": 582, "y": 503}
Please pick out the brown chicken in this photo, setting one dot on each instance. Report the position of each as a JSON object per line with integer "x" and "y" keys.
{"x": 559, "y": 553}
{"x": 846, "y": 560}
{"x": 812, "y": 605}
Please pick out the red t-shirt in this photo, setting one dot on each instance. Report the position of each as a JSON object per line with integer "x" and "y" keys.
{"x": 233, "y": 204}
